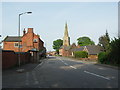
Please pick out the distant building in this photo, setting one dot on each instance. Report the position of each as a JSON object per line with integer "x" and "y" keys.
{"x": 65, "y": 49}
{"x": 68, "y": 50}
{"x": 92, "y": 51}
{"x": 29, "y": 41}
{"x": 51, "y": 53}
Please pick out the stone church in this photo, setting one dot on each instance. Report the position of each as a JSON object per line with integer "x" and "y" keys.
{"x": 65, "y": 49}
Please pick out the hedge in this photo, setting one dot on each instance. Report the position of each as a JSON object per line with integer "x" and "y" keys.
{"x": 80, "y": 54}
{"x": 102, "y": 57}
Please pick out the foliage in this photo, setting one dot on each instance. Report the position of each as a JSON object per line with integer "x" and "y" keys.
{"x": 83, "y": 41}
{"x": 111, "y": 56}
{"x": 102, "y": 57}
{"x": 80, "y": 54}
{"x": 114, "y": 51}
{"x": 104, "y": 41}
{"x": 57, "y": 44}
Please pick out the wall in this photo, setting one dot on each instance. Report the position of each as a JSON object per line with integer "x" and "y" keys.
{"x": 10, "y": 46}
{"x": 10, "y": 58}
{"x": 93, "y": 57}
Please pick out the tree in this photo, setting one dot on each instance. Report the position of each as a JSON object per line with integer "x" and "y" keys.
{"x": 111, "y": 57}
{"x": 83, "y": 41}
{"x": 104, "y": 41}
{"x": 114, "y": 51}
{"x": 57, "y": 44}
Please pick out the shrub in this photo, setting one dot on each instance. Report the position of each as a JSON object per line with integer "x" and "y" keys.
{"x": 102, "y": 57}
{"x": 80, "y": 54}
{"x": 112, "y": 56}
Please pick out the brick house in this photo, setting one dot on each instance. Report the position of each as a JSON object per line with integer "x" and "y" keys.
{"x": 92, "y": 50}
{"x": 28, "y": 42}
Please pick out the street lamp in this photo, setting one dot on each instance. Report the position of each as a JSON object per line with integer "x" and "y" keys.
{"x": 19, "y": 35}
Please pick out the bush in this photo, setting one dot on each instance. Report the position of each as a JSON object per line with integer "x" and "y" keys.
{"x": 102, "y": 57}
{"x": 80, "y": 54}
{"x": 112, "y": 56}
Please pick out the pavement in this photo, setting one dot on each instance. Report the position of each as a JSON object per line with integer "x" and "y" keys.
{"x": 61, "y": 72}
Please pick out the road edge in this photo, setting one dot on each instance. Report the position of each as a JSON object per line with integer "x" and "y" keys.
{"x": 109, "y": 66}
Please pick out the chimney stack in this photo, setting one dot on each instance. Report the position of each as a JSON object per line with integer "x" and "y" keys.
{"x": 30, "y": 30}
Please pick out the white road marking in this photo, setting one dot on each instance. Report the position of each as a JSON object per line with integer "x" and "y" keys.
{"x": 73, "y": 67}
{"x": 97, "y": 75}
{"x": 38, "y": 65}
{"x": 35, "y": 79}
{"x": 66, "y": 63}
{"x": 27, "y": 78}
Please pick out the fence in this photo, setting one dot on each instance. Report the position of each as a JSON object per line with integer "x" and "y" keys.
{"x": 10, "y": 58}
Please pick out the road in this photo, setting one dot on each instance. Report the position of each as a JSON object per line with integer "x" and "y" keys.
{"x": 61, "y": 72}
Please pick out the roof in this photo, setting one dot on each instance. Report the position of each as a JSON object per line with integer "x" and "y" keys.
{"x": 92, "y": 49}
{"x": 78, "y": 49}
{"x": 12, "y": 39}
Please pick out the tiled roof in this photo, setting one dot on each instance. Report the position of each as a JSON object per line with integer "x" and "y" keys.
{"x": 92, "y": 49}
{"x": 12, "y": 39}
{"x": 78, "y": 49}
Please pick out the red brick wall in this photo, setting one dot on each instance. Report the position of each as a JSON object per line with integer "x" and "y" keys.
{"x": 10, "y": 46}
{"x": 65, "y": 52}
{"x": 10, "y": 58}
{"x": 28, "y": 41}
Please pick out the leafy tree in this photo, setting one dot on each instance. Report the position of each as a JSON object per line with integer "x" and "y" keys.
{"x": 104, "y": 41}
{"x": 83, "y": 41}
{"x": 114, "y": 51}
{"x": 57, "y": 44}
{"x": 111, "y": 57}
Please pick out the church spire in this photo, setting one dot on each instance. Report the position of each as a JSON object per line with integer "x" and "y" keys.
{"x": 66, "y": 30}
{"x": 66, "y": 38}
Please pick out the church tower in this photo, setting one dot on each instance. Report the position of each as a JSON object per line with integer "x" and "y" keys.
{"x": 66, "y": 38}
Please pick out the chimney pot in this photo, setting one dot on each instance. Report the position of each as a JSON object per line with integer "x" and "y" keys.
{"x": 24, "y": 32}
{"x": 30, "y": 30}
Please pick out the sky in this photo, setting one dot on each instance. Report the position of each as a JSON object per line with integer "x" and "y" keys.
{"x": 48, "y": 19}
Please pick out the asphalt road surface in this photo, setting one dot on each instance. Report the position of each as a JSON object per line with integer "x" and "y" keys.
{"x": 60, "y": 72}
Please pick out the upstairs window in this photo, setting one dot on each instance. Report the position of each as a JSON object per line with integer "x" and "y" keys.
{"x": 35, "y": 40}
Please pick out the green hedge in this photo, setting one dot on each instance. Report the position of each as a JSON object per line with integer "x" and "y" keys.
{"x": 80, "y": 54}
{"x": 102, "y": 57}
{"x": 108, "y": 58}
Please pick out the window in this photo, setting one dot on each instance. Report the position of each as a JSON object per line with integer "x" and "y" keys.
{"x": 16, "y": 44}
{"x": 35, "y": 40}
